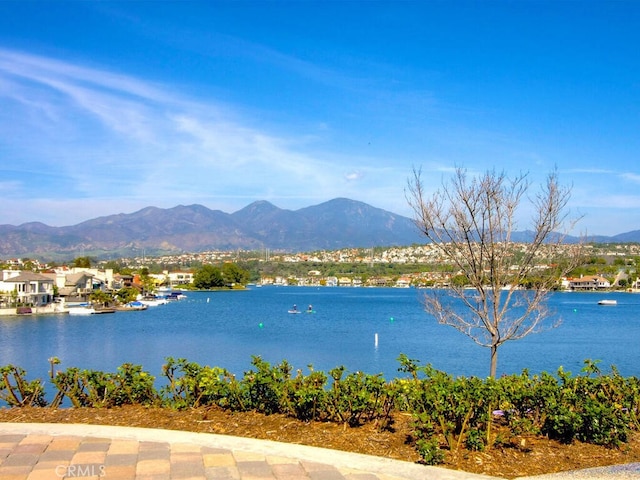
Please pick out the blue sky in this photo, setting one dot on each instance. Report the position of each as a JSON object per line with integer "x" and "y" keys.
{"x": 109, "y": 107}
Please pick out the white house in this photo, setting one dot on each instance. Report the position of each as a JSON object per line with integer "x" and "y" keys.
{"x": 177, "y": 279}
{"x": 28, "y": 288}
{"x": 589, "y": 282}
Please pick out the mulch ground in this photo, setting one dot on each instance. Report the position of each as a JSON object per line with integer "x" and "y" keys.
{"x": 521, "y": 456}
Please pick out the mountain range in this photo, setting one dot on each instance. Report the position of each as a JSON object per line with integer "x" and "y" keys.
{"x": 338, "y": 223}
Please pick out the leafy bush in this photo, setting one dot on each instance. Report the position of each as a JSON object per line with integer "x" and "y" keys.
{"x": 92, "y": 388}
{"x": 16, "y": 391}
{"x": 359, "y": 398}
{"x": 447, "y": 412}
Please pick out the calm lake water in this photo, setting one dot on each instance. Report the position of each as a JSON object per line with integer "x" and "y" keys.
{"x": 226, "y": 328}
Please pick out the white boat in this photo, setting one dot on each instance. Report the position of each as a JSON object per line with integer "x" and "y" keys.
{"x": 153, "y": 301}
{"x": 89, "y": 310}
{"x": 133, "y": 306}
{"x": 608, "y": 302}
{"x": 82, "y": 311}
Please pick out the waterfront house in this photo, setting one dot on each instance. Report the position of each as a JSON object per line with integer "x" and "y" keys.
{"x": 589, "y": 282}
{"x": 28, "y": 288}
{"x": 179, "y": 279}
{"x": 77, "y": 286}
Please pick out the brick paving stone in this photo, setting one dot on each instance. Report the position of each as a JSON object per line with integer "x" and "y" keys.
{"x": 241, "y": 456}
{"x": 185, "y": 448}
{"x": 153, "y": 451}
{"x": 219, "y": 459}
{"x": 213, "y": 450}
{"x": 271, "y": 460}
{"x": 320, "y": 471}
{"x": 156, "y": 466}
{"x": 221, "y": 473}
{"x": 123, "y": 447}
{"x": 120, "y": 472}
{"x": 186, "y": 465}
{"x": 121, "y": 459}
{"x": 326, "y": 475}
{"x": 94, "y": 445}
{"x": 255, "y": 469}
{"x": 155, "y": 476}
{"x": 13, "y": 439}
{"x": 184, "y": 457}
{"x": 289, "y": 471}
{"x": 153, "y": 455}
{"x": 145, "y": 446}
{"x": 361, "y": 476}
{"x": 56, "y": 456}
{"x": 35, "y": 448}
{"x": 4, "y": 453}
{"x": 21, "y": 459}
{"x": 49, "y": 464}
{"x": 39, "y": 439}
{"x": 64, "y": 443}
{"x": 43, "y": 474}
{"x": 14, "y": 471}
{"x": 88, "y": 457}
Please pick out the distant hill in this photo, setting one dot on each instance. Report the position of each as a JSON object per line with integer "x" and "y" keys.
{"x": 334, "y": 224}
{"x": 338, "y": 223}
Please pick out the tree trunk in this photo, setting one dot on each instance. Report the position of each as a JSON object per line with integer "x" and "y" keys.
{"x": 494, "y": 361}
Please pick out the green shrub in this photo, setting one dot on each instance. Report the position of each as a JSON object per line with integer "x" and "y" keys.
{"x": 447, "y": 412}
{"x": 92, "y": 388}
{"x": 16, "y": 391}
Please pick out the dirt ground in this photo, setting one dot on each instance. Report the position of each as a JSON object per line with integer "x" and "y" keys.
{"x": 522, "y": 456}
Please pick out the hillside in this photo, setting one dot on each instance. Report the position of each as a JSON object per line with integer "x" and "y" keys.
{"x": 334, "y": 224}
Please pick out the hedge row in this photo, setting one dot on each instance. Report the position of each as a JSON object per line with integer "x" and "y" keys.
{"x": 448, "y": 413}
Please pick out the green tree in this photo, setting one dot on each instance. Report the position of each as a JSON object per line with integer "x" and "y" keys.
{"x": 101, "y": 298}
{"x": 82, "y": 262}
{"x": 127, "y": 294}
{"x": 208, "y": 276}
{"x": 114, "y": 265}
{"x": 232, "y": 273}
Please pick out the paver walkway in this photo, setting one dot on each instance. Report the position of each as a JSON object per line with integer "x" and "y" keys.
{"x": 61, "y": 451}
{"x": 57, "y": 451}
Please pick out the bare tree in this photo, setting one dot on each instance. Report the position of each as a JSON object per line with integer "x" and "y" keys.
{"x": 472, "y": 221}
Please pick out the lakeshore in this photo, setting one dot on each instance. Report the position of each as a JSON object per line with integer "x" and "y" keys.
{"x": 226, "y": 328}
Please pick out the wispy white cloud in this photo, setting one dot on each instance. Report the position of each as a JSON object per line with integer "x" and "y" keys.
{"x": 107, "y": 135}
{"x": 354, "y": 175}
{"x": 631, "y": 177}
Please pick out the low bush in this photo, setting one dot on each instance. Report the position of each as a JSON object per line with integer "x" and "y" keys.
{"x": 448, "y": 413}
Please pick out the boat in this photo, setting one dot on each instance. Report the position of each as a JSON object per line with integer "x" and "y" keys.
{"x": 153, "y": 301}
{"x": 89, "y": 310}
{"x": 294, "y": 309}
{"x": 133, "y": 307}
{"x": 608, "y": 302}
{"x": 172, "y": 296}
{"x": 105, "y": 310}
{"x": 82, "y": 311}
